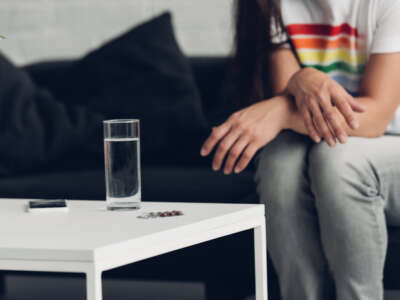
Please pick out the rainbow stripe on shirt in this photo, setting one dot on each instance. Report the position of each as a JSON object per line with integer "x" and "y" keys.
{"x": 334, "y": 50}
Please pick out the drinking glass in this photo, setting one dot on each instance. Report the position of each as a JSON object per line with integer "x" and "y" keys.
{"x": 122, "y": 164}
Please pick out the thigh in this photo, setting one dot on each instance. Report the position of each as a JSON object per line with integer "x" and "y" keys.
{"x": 281, "y": 167}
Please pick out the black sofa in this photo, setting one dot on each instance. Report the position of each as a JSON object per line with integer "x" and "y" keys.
{"x": 231, "y": 258}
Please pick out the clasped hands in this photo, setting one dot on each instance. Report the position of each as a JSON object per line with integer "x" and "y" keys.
{"x": 326, "y": 110}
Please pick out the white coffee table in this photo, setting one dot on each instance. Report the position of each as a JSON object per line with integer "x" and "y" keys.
{"x": 89, "y": 239}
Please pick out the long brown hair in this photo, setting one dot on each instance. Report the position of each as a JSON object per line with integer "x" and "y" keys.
{"x": 252, "y": 44}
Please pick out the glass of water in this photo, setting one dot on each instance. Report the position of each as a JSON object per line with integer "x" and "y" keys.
{"x": 122, "y": 164}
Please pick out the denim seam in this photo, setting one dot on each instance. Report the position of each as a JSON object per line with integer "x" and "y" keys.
{"x": 376, "y": 209}
{"x": 379, "y": 200}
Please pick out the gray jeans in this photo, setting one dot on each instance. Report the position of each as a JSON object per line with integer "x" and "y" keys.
{"x": 327, "y": 210}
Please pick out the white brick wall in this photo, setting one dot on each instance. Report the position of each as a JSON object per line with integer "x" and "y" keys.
{"x": 48, "y": 29}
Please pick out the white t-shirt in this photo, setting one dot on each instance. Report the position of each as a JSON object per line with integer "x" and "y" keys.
{"x": 338, "y": 36}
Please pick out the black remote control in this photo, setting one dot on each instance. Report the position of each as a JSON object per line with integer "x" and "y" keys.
{"x": 47, "y": 205}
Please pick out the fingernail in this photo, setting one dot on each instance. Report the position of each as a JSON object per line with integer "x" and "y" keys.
{"x": 237, "y": 170}
{"x": 317, "y": 139}
{"x": 226, "y": 172}
{"x": 215, "y": 168}
{"x": 355, "y": 124}
{"x": 342, "y": 138}
{"x": 203, "y": 152}
{"x": 331, "y": 142}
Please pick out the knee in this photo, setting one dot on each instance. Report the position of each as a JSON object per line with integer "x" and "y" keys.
{"x": 328, "y": 166}
{"x": 339, "y": 173}
{"x": 280, "y": 170}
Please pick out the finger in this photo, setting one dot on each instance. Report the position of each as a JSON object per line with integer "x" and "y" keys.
{"x": 331, "y": 119}
{"x": 216, "y": 135}
{"x": 322, "y": 125}
{"x": 223, "y": 148}
{"x": 235, "y": 153}
{"x": 356, "y": 106}
{"x": 337, "y": 129}
{"x": 330, "y": 129}
{"x": 312, "y": 131}
{"x": 342, "y": 104}
{"x": 316, "y": 126}
{"x": 246, "y": 157}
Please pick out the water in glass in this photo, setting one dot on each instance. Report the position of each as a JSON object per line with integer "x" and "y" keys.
{"x": 123, "y": 178}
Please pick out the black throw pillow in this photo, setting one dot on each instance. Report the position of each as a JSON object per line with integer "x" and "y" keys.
{"x": 143, "y": 74}
{"x": 36, "y": 129}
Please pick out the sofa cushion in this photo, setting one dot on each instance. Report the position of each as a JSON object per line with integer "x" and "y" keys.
{"x": 48, "y": 74}
{"x": 142, "y": 74}
{"x": 211, "y": 78}
{"x": 35, "y": 128}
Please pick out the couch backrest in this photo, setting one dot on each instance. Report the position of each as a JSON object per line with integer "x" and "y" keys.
{"x": 52, "y": 29}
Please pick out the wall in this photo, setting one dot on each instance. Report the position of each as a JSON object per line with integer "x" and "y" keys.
{"x": 48, "y": 29}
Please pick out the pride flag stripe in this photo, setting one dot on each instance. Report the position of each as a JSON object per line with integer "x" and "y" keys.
{"x": 323, "y": 57}
{"x": 322, "y": 43}
{"x": 340, "y": 65}
{"x": 321, "y": 29}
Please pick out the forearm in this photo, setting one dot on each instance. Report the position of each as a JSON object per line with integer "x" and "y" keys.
{"x": 374, "y": 121}
{"x": 283, "y": 64}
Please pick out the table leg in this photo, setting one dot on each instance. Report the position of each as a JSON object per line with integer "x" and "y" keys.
{"x": 260, "y": 255}
{"x": 93, "y": 285}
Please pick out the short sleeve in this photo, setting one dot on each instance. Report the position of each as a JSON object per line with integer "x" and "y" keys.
{"x": 386, "y": 37}
{"x": 278, "y": 35}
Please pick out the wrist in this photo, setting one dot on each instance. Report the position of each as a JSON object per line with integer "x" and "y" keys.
{"x": 288, "y": 111}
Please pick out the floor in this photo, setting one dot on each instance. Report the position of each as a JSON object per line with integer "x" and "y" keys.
{"x": 389, "y": 295}
{"x": 20, "y": 287}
